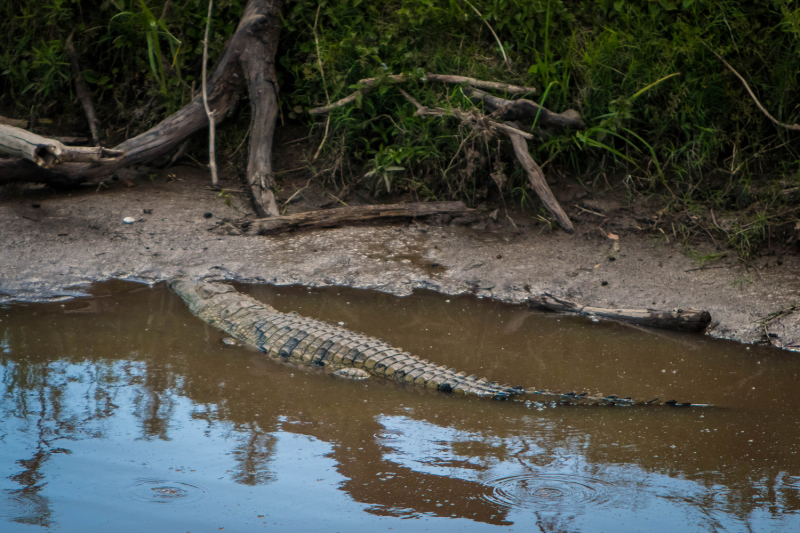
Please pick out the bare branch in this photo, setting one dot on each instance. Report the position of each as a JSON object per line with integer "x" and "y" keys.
{"x": 324, "y": 85}
{"x": 526, "y": 110}
{"x": 539, "y": 184}
{"x": 793, "y": 127}
{"x": 367, "y": 84}
{"x": 496, "y": 38}
{"x": 468, "y": 117}
{"x": 212, "y": 157}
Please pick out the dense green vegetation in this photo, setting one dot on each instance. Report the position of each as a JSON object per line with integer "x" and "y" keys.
{"x": 664, "y": 115}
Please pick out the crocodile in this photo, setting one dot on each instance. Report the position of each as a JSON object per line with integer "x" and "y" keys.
{"x": 302, "y": 340}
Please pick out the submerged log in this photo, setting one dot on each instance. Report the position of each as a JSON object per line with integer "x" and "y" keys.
{"x": 680, "y": 319}
{"x": 334, "y": 217}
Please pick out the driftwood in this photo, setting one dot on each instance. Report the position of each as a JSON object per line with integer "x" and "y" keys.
{"x": 499, "y": 108}
{"x": 47, "y": 153}
{"x": 249, "y": 56}
{"x": 341, "y": 215}
{"x": 680, "y": 319}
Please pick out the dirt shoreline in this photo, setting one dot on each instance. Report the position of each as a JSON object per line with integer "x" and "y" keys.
{"x": 55, "y": 245}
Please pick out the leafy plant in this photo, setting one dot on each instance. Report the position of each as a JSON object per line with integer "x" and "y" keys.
{"x": 152, "y": 28}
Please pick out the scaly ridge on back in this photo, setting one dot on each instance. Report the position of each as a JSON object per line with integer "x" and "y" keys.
{"x": 304, "y": 340}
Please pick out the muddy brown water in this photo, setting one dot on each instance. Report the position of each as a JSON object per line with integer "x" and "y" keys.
{"x": 123, "y": 411}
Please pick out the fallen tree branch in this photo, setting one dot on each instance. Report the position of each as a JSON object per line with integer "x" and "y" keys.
{"x": 793, "y": 127}
{"x": 517, "y": 137}
{"x": 473, "y": 117}
{"x": 526, "y": 110}
{"x": 537, "y": 181}
{"x": 368, "y": 84}
{"x": 680, "y": 319}
{"x": 342, "y": 215}
{"x": 47, "y": 153}
{"x": 83, "y": 93}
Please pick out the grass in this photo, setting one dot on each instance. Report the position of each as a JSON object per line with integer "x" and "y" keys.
{"x": 659, "y": 106}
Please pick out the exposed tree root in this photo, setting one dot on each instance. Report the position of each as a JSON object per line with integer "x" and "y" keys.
{"x": 249, "y": 56}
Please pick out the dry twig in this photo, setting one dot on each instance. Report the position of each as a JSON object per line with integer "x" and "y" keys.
{"x": 793, "y": 127}
{"x": 324, "y": 86}
{"x": 496, "y": 38}
{"x": 212, "y": 158}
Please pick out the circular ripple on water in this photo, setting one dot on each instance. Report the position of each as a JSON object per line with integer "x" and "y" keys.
{"x": 151, "y": 490}
{"x": 21, "y": 506}
{"x": 550, "y": 492}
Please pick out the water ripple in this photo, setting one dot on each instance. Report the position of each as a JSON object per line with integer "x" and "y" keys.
{"x": 550, "y": 492}
{"x": 152, "y": 490}
{"x": 23, "y": 506}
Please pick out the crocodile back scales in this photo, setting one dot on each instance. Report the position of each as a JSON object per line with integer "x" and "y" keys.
{"x": 289, "y": 336}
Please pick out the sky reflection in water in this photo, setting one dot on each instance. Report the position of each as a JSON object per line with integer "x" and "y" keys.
{"x": 125, "y": 411}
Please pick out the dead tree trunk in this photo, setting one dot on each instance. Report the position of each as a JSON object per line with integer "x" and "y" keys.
{"x": 250, "y": 55}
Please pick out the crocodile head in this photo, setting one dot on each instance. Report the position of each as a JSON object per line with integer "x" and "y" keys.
{"x": 196, "y": 295}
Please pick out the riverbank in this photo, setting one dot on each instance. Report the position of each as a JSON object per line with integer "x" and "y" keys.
{"x": 56, "y": 244}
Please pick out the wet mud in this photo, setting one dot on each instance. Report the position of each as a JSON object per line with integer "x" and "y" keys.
{"x": 55, "y": 245}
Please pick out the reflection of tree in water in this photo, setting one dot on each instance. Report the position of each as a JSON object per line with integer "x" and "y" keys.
{"x": 253, "y": 453}
{"x": 154, "y": 407}
{"x": 35, "y": 391}
{"x": 70, "y": 393}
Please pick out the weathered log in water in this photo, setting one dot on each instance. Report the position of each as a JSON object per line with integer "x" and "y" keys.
{"x": 680, "y": 319}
